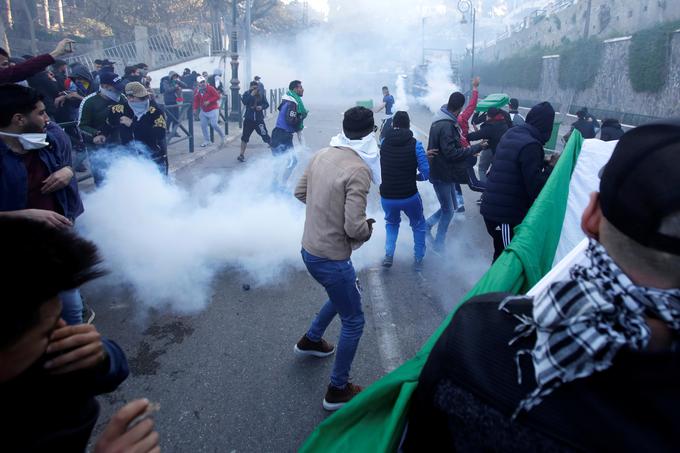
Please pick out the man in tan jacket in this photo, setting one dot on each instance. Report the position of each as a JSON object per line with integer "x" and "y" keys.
{"x": 335, "y": 189}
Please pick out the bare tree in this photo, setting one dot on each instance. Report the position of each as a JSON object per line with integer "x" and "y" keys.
{"x": 4, "y": 42}
{"x": 60, "y": 13}
{"x": 31, "y": 25}
{"x": 46, "y": 14}
{"x": 9, "y": 21}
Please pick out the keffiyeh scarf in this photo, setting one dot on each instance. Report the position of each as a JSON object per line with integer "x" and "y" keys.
{"x": 580, "y": 324}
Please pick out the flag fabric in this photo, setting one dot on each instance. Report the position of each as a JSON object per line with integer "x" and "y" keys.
{"x": 374, "y": 420}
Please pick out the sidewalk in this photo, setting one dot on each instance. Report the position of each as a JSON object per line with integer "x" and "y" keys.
{"x": 179, "y": 156}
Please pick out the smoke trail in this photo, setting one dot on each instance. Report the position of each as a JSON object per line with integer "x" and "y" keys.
{"x": 439, "y": 85}
{"x": 169, "y": 242}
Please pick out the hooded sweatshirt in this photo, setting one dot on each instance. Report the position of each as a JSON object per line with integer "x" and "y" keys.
{"x": 450, "y": 164}
{"x": 517, "y": 175}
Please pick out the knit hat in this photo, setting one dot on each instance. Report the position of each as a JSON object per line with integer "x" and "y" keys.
{"x": 357, "y": 123}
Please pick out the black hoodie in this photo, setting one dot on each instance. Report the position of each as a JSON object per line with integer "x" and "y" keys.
{"x": 517, "y": 174}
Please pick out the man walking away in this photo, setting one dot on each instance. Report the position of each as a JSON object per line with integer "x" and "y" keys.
{"x": 515, "y": 116}
{"x": 517, "y": 175}
{"x": 449, "y": 165}
{"x": 611, "y": 130}
{"x": 583, "y": 125}
{"x": 206, "y": 101}
{"x": 596, "y": 350}
{"x": 292, "y": 113}
{"x": 253, "y": 118}
{"x": 171, "y": 88}
{"x": 403, "y": 161}
{"x": 335, "y": 188}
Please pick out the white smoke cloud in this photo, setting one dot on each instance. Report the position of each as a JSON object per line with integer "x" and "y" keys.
{"x": 169, "y": 242}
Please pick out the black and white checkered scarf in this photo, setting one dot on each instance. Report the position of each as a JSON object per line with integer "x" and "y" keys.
{"x": 580, "y": 324}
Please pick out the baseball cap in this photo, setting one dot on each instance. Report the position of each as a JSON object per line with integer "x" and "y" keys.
{"x": 110, "y": 78}
{"x": 136, "y": 89}
{"x": 200, "y": 79}
{"x": 639, "y": 185}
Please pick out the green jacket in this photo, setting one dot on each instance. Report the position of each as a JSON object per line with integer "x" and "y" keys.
{"x": 93, "y": 113}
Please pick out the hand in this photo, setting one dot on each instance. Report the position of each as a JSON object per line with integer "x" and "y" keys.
{"x": 80, "y": 347}
{"x": 554, "y": 159}
{"x": 99, "y": 140}
{"x": 57, "y": 180}
{"x": 125, "y": 121}
{"x": 50, "y": 218}
{"x": 119, "y": 436}
{"x": 206, "y": 103}
{"x": 73, "y": 95}
{"x": 432, "y": 152}
{"x": 59, "y": 101}
{"x": 62, "y": 48}
{"x": 370, "y": 224}
{"x": 485, "y": 144}
{"x": 475, "y": 83}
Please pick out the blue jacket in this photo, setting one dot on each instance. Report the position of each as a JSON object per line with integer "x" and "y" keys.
{"x": 289, "y": 119}
{"x": 251, "y": 102}
{"x": 14, "y": 180}
{"x": 64, "y": 410}
{"x": 517, "y": 174}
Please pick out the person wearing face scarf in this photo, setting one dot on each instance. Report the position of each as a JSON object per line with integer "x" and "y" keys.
{"x": 92, "y": 117}
{"x": 335, "y": 188}
{"x": 36, "y": 176}
{"x": 517, "y": 175}
{"x": 140, "y": 124}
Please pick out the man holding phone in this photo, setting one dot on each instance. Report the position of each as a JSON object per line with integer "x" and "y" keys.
{"x": 253, "y": 118}
{"x": 335, "y": 188}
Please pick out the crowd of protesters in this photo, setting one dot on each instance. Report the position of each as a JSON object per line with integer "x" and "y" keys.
{"x": 53, "y": 355}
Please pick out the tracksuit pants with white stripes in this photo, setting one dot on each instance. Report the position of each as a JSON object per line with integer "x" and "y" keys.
{"x": 501, "y": 233}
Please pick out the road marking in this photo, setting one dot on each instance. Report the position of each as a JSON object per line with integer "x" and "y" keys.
{"x": 388, "y": 342}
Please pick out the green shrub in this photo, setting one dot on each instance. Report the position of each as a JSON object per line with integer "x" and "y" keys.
{"x": 649, "y": 58}
{"x": 579, "y": 62}
{"x": 521, "y": 71}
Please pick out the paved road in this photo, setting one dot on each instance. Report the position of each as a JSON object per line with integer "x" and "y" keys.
{"x": 227, "y": 379}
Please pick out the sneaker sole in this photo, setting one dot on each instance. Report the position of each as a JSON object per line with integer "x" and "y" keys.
{"x": 332, "y": 407}
{"x": 299, "y": 351}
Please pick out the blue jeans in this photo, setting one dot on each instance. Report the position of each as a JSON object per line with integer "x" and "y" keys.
{"x": 71, "y": 306}
{"x": 340, "y": 282}
{"x": 413, "y": 208}
{"x": 446, "y": 195}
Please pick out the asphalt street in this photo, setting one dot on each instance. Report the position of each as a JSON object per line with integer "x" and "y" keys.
{"x": 227, "y": 379}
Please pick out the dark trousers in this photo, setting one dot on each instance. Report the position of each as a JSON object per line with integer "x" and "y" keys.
{"x": 501, "y": 233}
{"x": 250, "y": 126}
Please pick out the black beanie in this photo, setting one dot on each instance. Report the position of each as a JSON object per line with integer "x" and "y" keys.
{"x": 401, "y": 120}
{"x": 358, "y": 123}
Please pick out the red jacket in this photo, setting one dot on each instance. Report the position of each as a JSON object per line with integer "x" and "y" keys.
{"x": 464, "y": 118}
{"x": 28, "y": 68}
{"x": 211, "y": 96}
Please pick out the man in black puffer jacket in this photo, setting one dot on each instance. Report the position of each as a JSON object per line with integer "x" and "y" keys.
{"x": 449, "y": 166}
{"x": 611, "y": 130}
{"x": 403, "y": 161}
{"x": 517, "y": 175}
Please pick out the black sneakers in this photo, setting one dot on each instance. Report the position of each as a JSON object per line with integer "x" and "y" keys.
{"x": 336, "y": 398}
{"x": 317, "y": 349}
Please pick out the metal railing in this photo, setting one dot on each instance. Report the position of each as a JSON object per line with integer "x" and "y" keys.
{"x": 161, "y": 50}
{"x": 275, "y": 97}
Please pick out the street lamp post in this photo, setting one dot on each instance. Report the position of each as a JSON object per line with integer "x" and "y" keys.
{"x": 465, "y": 6}
{"x": 235, "y": 88}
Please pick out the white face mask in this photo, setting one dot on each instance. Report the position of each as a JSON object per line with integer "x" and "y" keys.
{"x": 29, "y": 141}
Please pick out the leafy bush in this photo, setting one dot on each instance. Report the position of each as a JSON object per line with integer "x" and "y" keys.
{"x": 649, "y": 58}
{"x": 521, "y": 71}
{"x": 579, "y": 62}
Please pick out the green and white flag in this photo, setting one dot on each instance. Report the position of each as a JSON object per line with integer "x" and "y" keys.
{"x": 374, "y": 420}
